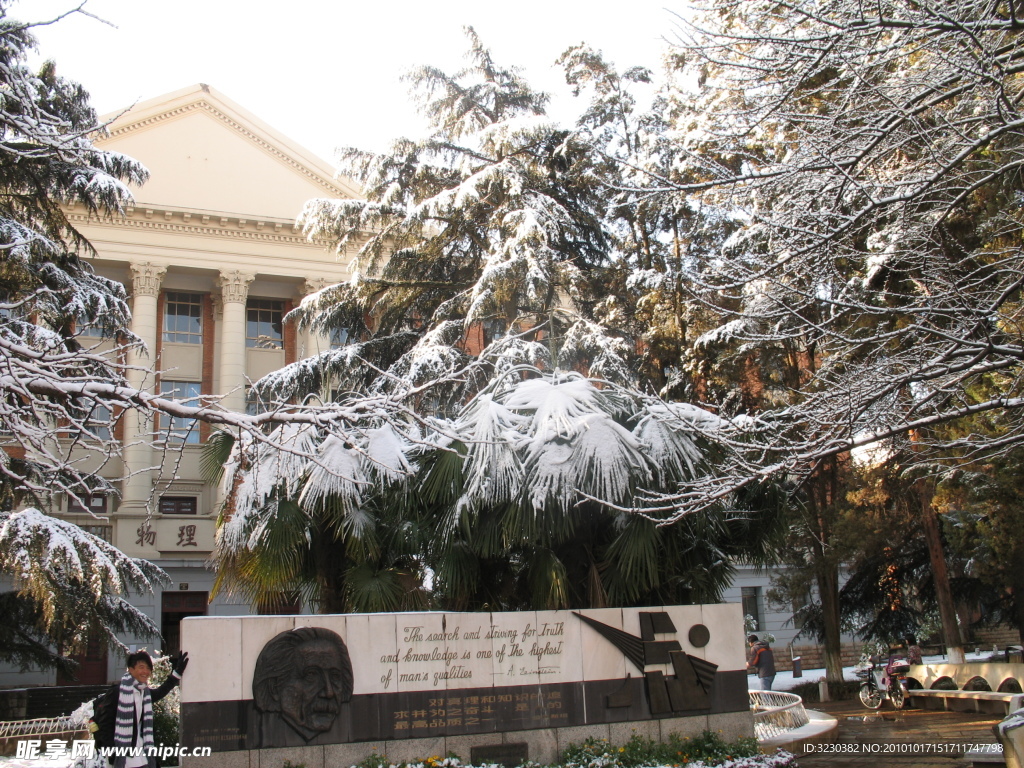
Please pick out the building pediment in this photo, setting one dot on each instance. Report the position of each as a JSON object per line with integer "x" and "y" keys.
{"x": 206, "y": 153}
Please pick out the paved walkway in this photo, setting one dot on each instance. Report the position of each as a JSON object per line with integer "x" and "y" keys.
{"x": 890, "y": 739}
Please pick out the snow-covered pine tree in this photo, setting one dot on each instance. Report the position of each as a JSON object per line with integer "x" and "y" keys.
{"x": 491, "y": 225}
{"x": 481, "y": 290}
{"x": 69, "y": 585}
{"x": 660, "y": 240}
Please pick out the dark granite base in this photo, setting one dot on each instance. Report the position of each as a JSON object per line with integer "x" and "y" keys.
{"x": 236, "y": 725}
{"x": 544, "y": 745}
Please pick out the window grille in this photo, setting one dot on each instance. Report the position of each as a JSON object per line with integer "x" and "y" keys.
{"x": 179, "y": 429}
{"x": 183, "y": 318}
{"x": 263, "y": 324}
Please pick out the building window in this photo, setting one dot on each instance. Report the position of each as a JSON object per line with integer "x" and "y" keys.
{"x": 183, "y": 318}
{"x": 179, "y": 505}
{"x": 254, "y": 404}
{"x": 494, "y": 330}
{"x": 100, "y": 422}
{"x": 339, "y": 337}
{"x": 104, "y": 532}
{"x": 179, "y": 429}
{"x": 263, "y": 319}
{"x": 91, "y": 331}
{"x": 90, "y": 503}
{"x": 751, "y": 597}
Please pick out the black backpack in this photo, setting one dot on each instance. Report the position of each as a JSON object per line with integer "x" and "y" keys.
{"x": 104, "y": 715}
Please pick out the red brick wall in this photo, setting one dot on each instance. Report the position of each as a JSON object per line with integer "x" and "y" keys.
{"x": 1001, "y": 636}
{"x": 290, "y": 335}
{"x": 473, "y": 341}
{"x": 208, "y": 344}
{"x": 813, "y": 656}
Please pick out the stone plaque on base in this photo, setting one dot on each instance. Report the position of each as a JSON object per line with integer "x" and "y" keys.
{"x": 508, "y": 755}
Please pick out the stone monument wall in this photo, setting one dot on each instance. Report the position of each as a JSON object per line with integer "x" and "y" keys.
{"x": 497, "y": 687}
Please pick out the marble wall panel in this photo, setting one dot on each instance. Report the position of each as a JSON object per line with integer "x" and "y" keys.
{"x": 559, "y": 646}
{"x": 511, "y": 662}
{"x": 474, "y": 667}
{"x": 542, "y": 744}
{"x": 414, "y": 750}
{"x": 601, "y": 659}
{"x": 631, "y": 624}
{"x": 424, "y": 653}
{"x": 310, "y": 757}
{"x": 727, "y": 647}
{"x": 428, "y": 651}
{"x": 344, "y": 755}
{"x": 579, "y": 733}
{"x": 462, "y": 746}
{"x": 372, "y": 641}
{"x": 620, "y": 733}
{"x": 685, "y": 617}
{"x": 683, "y": 726}
{"x": 732, "y": 725}
{"x": 336, "y": 622}
{"x": 257, "y": 631}
{"x": 215, "y": 667}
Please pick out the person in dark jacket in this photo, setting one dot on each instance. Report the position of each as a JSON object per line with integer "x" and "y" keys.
{"x": 762, "y": 661}
{"x": 913, "y": 650}
{"x": 124, "y": 714}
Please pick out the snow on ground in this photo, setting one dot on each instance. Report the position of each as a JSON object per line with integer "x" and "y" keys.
{"x": 784, "y": 681}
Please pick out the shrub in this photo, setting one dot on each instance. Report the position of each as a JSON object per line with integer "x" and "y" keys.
{"x": 166, "y": 712}
{"x": 707, "y": 748}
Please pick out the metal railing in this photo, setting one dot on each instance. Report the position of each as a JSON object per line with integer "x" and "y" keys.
{"x": 776, "y": 712}
{"x": 41, "y": 725}
{"x": 43, "y": 728}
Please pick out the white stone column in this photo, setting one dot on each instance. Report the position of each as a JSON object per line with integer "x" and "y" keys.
{"x": 234, "y": 287}
{"x": 316, "y": 342}
{"x": 137, "y": 484}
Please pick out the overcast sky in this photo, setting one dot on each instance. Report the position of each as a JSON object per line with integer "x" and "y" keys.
{"x": 326, "y": 72}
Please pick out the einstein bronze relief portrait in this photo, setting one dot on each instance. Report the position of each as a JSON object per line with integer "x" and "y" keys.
{"x": 304, "y": 675}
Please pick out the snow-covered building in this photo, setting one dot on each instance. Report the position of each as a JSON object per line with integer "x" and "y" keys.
{"x": 212, "y": 261}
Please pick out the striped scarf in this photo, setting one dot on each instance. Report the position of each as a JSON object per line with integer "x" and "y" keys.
{"x": 125, "y": 723}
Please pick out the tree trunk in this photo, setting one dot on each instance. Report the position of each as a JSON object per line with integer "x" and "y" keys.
{"x": 828, "y": 593}
{"x": 822, "y": 498}
{"x": 332, "y": 562}
{"x": 1017, "y": 595}
{"x": 936, "y": 554}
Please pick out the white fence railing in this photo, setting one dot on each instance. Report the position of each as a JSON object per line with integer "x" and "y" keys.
{"x": 43, "y": 728}
{"x": 42, "y": 725}
{"x": 776, "y": 712}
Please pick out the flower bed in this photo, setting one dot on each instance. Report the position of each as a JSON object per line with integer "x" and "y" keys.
{"x": 707, "y": 750}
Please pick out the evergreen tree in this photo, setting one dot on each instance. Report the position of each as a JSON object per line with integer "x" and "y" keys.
{"x": 490, "y": 272}
{"x": 70, "y": 585}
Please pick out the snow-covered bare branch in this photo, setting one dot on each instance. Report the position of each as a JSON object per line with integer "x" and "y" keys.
{"x": 873, "y": 154}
